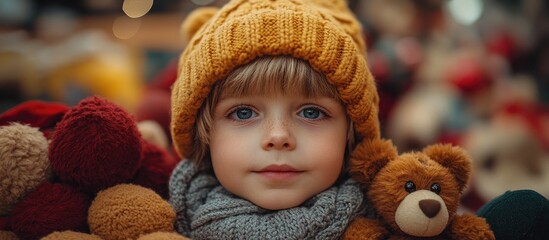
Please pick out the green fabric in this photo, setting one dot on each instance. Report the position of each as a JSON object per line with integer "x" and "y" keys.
{"x": 521, "y": 214}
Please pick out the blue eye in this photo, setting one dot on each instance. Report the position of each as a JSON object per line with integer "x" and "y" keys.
{"x": 311, "y": 113}
{"x": 243, "y": 114}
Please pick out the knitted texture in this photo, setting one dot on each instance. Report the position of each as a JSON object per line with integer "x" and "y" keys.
{"x": 155, "y": 170}
{"x": 519, "y": 214}
{"x": 324, "y": 33}
{"x": 24, "y": 163}
{"x": 205, "y": 210}
{"x": 51, "y": 207}
{"x": 127, "y": 211}
{"x": 96, "y": 145}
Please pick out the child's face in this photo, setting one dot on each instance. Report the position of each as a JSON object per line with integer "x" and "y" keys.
{"x": 278, "y": 151}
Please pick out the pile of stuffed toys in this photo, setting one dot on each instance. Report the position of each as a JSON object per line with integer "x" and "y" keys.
{"x": 82, "y": 172}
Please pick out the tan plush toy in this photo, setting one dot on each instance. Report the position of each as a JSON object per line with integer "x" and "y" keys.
{"x": 414, "y": 195}
{"x": 126, "y": 211}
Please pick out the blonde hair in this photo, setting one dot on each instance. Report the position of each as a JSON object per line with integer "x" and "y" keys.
{"x": 266, "y": 75}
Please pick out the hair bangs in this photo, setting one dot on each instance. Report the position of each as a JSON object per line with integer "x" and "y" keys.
{"x": 280, "y": 75}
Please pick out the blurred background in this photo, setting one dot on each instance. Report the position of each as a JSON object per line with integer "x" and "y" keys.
{"x": 473, "y": 73}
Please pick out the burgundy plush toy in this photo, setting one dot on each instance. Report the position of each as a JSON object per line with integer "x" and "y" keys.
{"x": 155, "y": 169}
{"x": 51, "y": 207}
{"x": 96, "y": 145}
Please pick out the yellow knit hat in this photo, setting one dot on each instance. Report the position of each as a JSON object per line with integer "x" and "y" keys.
{"x": 322, "y": 32}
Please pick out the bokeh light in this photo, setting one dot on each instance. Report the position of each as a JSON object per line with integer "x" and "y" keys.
{"x": 125, "y": 27}
{"x": 137, "y": 8}
{"x": 466, "y": 12}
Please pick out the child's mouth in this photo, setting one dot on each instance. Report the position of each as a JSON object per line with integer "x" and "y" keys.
{"x": 279, "y": 172}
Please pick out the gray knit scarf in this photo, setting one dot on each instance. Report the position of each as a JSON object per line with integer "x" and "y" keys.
{"x": 205, "y": 210}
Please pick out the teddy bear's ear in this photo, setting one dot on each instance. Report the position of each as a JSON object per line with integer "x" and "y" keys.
{"x": 369, "y": 157}
{"x": 453, "y": 158}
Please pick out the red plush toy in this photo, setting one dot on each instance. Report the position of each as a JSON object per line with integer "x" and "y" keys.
{"x": 155, "y": 169}
{"x": 38, "y": 114}
{"x": 51, "y": 207}
{"x": 105, "y": 146}
{"x": 95, "y": 146}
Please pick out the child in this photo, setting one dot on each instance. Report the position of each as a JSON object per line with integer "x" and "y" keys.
{"x": 271, "y": 99}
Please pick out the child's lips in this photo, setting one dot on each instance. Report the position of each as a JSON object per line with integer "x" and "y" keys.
{"x": 279, "y": 172}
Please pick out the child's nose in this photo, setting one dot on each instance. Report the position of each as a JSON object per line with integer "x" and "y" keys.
{"x": 278, "y": 137}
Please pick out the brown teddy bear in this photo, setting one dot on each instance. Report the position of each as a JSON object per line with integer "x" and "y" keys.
{"x": 414, "y": 195}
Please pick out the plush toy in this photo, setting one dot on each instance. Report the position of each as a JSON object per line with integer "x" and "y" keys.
{"x": 422, "y": 116}
{"x": 162, "y": 236}
{"x": 155, "y": 106}
{"x": 51, "y": 207}
{"x": 415, "y": 194}
{"x": 94, "y": 147}
{"x": 38, "y": 114}
{"x": 156, "y": 169}
{"x": 24, "y": 163}
{"x": 510, "y": 152}
{"x": 152, "y": 132}
{"x": 6, "y": 235}
{"x": 70, "y": 235}
{"x": 127, "y": 211}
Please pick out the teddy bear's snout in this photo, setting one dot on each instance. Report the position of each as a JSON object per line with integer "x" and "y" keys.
{"x": 429, "y": 207}
{"x": 422, "y": 213}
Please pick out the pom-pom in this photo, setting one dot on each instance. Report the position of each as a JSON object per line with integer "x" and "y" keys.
{"x": 156, "y": 169}
{"x": 51, "y": 207}
{"x": 70, "y": 235}
{"x": 195, "y": 20}
{"x": 127, "y": 211}
{"x": 96, "y": 145}
{"x": 162, "y": 236}
{"x": 24, "y": 163}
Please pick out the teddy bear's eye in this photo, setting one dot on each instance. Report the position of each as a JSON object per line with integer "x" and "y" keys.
{"x": 436, "y": 188}
{"x": 410, "y": 186}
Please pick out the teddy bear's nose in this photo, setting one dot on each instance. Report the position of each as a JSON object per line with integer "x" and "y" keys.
{"x": 429, "y": 207}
